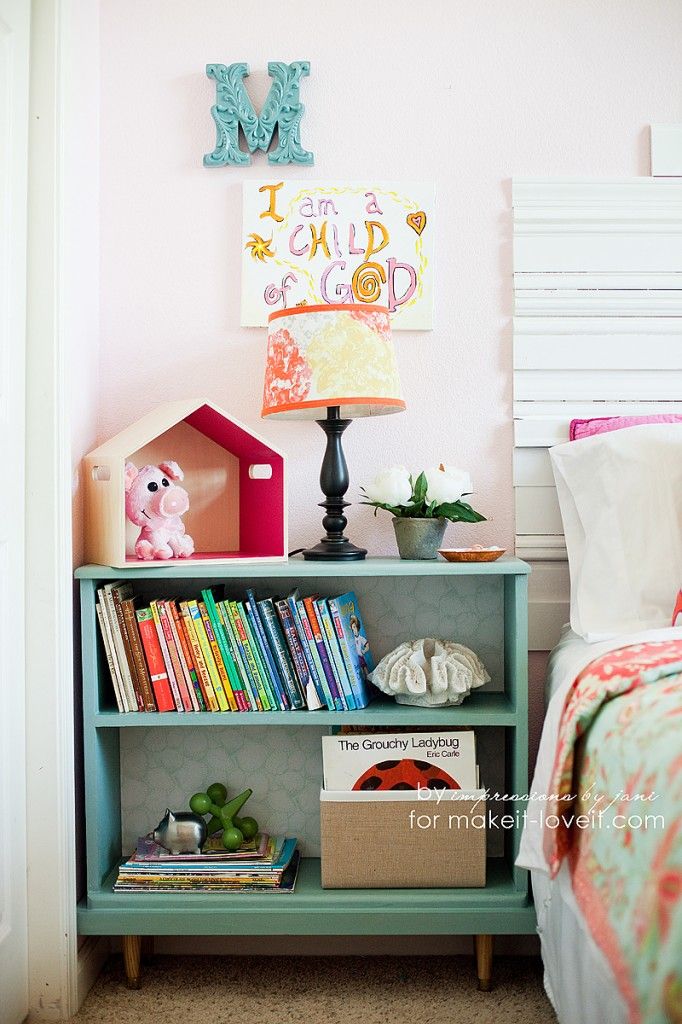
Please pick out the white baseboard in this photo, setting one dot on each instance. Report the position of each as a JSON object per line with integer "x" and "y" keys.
{"x": 91, "y": 958}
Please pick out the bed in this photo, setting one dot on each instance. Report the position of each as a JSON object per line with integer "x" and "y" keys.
{"x": 579, "y": 979}
{"x": 609, "y": 896}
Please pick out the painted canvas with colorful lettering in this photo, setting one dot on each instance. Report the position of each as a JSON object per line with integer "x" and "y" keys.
{"x": 313, "y": 242}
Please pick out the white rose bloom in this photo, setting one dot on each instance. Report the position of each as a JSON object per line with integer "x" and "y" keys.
{"x": 446, "y": 483}
{"x": 391, "y": 487}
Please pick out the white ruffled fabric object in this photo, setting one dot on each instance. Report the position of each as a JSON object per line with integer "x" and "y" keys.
{"x": 430, "y": 673}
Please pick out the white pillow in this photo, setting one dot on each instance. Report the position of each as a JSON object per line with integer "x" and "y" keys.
{"x": 620, "y": 495}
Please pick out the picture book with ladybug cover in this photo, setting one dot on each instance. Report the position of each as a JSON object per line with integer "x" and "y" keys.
{"x": 395, "y": 761}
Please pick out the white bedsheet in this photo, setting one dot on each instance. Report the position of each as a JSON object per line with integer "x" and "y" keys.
{"x": 578, "y": 979}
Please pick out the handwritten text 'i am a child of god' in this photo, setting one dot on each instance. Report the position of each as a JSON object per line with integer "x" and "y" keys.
{"x": 348, "y": 264}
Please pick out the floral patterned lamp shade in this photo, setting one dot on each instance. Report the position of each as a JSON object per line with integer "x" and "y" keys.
{"x": 331, "y": 356}
{"x": 331, "y": 364}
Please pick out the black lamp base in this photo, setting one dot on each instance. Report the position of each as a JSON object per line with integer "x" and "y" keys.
{"x": 330, "y": 552}
{"x": 335, "y": 547}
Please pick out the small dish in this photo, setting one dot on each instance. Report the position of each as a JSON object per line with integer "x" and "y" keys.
{"x": 475, "y": 554}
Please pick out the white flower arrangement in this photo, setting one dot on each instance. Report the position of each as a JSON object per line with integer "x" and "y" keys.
{"x": 436, "y": 493}
{"x": 390, "y": 487}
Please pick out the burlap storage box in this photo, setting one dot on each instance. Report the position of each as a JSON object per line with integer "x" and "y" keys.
{"x": 394, "y": 840}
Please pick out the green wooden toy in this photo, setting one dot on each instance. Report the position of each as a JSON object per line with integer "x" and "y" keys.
{"x": 224, "y": 814}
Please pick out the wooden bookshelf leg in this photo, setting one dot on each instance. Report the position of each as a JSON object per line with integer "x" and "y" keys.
{"x": 484, "y": 961}
{"x": 132, "y": 946}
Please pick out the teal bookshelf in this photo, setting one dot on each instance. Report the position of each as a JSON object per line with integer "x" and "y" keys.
{"x": 483, "y": 605}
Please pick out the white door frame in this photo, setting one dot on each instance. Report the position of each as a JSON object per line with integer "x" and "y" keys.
{"x": 63, "y": 147}
{"x": 14, "y": 89}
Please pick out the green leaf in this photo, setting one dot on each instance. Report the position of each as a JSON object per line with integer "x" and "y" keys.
{"x": 458, "y": 511}
{"x": 393, "y": 509}
{"x": 420, "y": 488}
{"x": 415, "y": 511}
{"x": 478, "y": 518}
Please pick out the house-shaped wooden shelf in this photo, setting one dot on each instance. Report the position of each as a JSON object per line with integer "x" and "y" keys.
{"x": 235, "y": 481}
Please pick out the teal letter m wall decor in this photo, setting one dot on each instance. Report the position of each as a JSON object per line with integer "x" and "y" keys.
{"x": 282, "y": 109}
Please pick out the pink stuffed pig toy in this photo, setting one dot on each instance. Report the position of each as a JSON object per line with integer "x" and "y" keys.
{"x": 155, "y": 502}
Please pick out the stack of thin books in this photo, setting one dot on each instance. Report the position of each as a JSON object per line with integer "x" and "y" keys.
{"x": 271, "y": 865}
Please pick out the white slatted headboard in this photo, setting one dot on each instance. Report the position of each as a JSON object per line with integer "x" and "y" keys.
{"x": 597, "y": 332}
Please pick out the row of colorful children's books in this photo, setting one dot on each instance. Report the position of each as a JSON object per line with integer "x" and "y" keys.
{"x": 273, "y": 867}
{"x": 217, "y": 654}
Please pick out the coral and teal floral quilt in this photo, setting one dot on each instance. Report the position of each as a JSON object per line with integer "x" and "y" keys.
{"x": 616, "y": 817}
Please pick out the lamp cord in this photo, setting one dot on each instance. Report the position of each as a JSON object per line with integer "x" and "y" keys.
{"x": 296, "y": 551}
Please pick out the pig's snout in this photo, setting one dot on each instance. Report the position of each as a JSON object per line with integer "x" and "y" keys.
{"x": 173, "y": 501}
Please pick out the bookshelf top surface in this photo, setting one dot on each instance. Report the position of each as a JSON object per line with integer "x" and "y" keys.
{"x": 480, "y": 709}
{"x": 297, "y": 567}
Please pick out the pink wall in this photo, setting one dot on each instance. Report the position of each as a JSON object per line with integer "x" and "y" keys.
{"x": 462, "y": 93}
{"x": 466, "y": 94}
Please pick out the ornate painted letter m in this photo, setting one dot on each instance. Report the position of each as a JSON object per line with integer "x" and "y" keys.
{"x": 282, "y": 109}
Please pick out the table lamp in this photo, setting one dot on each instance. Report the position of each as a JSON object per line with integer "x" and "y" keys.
{"x": 338, "y": 360}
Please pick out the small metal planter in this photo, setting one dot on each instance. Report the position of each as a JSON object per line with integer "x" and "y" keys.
{"x": 419, "y": 538}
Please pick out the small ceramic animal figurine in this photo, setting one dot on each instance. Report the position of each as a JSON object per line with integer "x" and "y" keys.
{"x": 182, "y": 832}
{"x": 155, "y": 502}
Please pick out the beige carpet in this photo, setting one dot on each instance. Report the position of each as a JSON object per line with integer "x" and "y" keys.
{"x": 319, "y": 990}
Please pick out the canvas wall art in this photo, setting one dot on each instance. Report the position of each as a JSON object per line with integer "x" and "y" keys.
{"x": 327, "y": 243}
